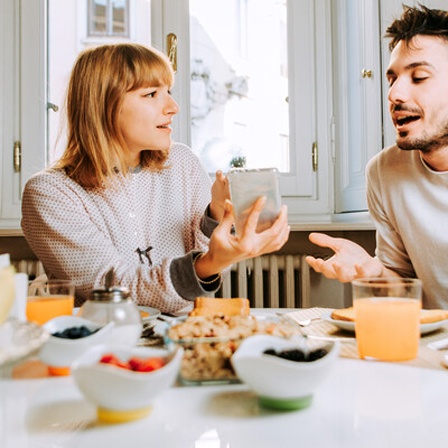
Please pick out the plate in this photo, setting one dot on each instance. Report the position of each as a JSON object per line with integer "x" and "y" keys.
{"x": 350, "y": 326}
{"x": 19, "y": 340}
{"x": 148, "y": 314}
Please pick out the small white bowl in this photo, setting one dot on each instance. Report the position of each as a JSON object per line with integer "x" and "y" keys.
{"x": 281, "y": 383}
{"x": 120, "y": 394}
{"x": 59, "y": 353}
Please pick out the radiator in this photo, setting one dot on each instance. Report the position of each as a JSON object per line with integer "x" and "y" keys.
{"x": 270, "y": 281}
{"x": 33, "y": 268}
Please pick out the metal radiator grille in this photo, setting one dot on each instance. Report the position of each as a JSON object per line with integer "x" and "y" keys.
{"x": 270, "y": 281}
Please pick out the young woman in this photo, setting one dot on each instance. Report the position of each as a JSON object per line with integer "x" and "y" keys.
{"x": 123, "y": 197}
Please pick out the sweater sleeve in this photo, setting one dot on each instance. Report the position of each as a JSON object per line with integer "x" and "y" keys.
{"x": 390, "y": 249}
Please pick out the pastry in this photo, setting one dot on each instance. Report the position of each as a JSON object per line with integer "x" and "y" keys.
{"x": 206, "y": 306}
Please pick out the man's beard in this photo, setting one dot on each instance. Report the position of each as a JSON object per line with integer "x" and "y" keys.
{"x": 425, "y": 144}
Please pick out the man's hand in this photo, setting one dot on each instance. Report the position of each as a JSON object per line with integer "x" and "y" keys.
{"x": 349, "y": 261}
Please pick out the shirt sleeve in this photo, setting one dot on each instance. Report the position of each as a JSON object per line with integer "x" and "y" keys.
{"x": 390, "y": 249}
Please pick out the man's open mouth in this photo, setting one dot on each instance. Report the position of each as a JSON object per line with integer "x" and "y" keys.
{"x": 405, "y": 120}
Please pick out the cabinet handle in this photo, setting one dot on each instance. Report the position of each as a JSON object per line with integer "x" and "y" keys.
{"x": 315, "y": 156}
{"x": 366, "y": 73}
{"x": 17, "y": 156}
{"x": 171, "y": 45}
{"x": 53, "y": 107}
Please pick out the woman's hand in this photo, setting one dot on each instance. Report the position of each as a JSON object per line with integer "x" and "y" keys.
{"x": 350, "y": 260}
{"x": 220, "y": 193}
{"x": 226, "y": 249}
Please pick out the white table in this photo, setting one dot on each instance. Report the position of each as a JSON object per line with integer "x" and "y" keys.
{"x": 362, "y": 405}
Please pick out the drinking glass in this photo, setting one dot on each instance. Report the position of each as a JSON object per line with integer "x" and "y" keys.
{"x": 48, "y": 299}
{"x": 7, "y": 292}
{"x": 387, "y": 317}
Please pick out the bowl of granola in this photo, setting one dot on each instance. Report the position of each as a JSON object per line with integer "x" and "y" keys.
{"x": 209, "y": 342}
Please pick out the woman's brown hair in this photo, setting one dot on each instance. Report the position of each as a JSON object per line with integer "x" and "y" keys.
{"x": 99, "y": 80}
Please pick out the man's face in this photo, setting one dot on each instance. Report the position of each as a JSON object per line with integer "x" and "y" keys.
{"x": 418, "y": 93}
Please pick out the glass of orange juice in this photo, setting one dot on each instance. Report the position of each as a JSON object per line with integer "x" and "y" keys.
{"x": 387, "y": 317}
{"x": 48, "y": 299}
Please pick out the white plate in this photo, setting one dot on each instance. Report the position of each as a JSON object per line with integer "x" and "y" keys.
{"x": 350, "y": 326}
{"x": 153, "y": 313}
{"x": 19, "y": 340}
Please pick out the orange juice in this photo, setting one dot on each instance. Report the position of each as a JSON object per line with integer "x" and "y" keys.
{"x": 387, "y": 328}
{"x": 41, "y": 309}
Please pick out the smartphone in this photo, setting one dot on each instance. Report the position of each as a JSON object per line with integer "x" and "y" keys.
{"x": 246, "y": 186}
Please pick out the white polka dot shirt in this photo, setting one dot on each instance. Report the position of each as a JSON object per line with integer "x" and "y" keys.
{"x": 147, "y": 226}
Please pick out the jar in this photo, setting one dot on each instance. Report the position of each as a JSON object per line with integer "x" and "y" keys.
{"x": 114, "y": 304}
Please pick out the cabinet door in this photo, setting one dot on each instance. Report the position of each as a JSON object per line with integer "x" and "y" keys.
{"x": 358, "y": 98}
{"x": 9, "y": 115}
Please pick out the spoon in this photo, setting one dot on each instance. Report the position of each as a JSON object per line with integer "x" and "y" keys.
{"x": 306, "y": 322}
{"x": 302, "y": 323}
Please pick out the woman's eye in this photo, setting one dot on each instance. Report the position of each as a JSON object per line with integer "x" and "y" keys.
{"x": 151, "y": 94}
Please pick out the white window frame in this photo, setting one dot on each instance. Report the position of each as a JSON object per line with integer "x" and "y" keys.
{"x": 303, "y": 190}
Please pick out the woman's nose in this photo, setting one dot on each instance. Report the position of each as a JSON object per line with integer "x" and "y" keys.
{"x": 171, "y": 106}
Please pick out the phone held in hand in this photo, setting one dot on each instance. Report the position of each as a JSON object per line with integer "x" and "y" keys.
{"x": 246, "y": 186}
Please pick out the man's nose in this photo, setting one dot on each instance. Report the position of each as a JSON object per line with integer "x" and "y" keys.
{"x": 398, "y": 92}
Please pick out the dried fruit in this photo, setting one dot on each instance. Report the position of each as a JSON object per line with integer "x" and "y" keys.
{"x": 297, "y": 354}
{"x": 74, "y": 332}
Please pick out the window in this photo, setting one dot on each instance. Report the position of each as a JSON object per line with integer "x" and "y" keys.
{"x": 108, "y": 18}
{"x": 305, "y": 123}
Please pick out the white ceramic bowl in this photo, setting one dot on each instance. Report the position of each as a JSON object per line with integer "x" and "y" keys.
{"x": 59, "y": 353}
{"x": 121, "y": 394}
{"x": 281, "y": 383}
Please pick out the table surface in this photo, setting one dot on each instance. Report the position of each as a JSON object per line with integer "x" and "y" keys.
{"x": 363, "y": 404}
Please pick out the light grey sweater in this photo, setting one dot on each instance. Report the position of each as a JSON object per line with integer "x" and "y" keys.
{"x": 80, "y": 234}
{"x": 409, "y": 204}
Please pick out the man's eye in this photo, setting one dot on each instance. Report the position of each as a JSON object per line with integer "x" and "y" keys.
{"x": 419, "y": 79}
{"x": 151, "y": 94}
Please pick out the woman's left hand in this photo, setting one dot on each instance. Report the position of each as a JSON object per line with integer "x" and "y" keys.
{"x": 226, "y": 248}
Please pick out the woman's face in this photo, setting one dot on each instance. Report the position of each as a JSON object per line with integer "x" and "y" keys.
{"x": 145, "y": 118}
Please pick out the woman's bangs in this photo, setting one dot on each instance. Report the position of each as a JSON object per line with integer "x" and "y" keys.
{"x": 152, "y": 72}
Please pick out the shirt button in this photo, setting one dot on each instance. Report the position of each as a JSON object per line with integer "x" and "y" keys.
{"x": 132, "y": 215}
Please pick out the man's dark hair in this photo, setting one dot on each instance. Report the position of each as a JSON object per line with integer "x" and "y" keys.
{"x": 418, "y": 20}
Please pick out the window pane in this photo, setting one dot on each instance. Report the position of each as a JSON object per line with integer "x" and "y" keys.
{"x": 99, "y": 17}
{"x": 239, "y": 82}
{"x": 66, "y": 38}
{"x": 119, "y": 18}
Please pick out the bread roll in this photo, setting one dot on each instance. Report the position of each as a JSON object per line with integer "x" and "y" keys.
{"x": 426, "y": 316}
{"x": 206, "y": 306}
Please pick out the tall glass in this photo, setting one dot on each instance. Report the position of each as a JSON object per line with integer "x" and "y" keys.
{"x": 7, "y": 292}
{"x": 49, "y": 299}
{"x": 387, "y": 317}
